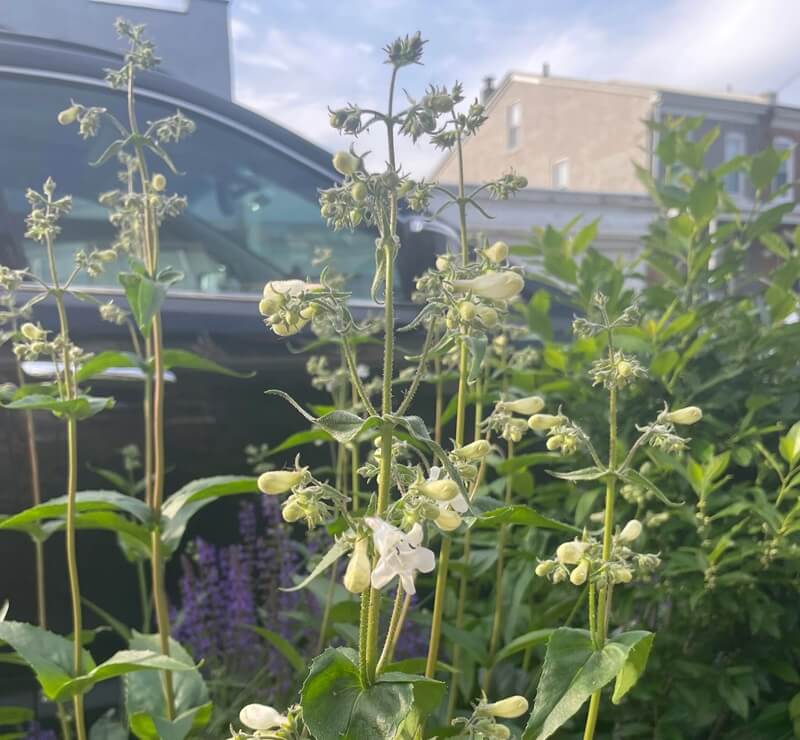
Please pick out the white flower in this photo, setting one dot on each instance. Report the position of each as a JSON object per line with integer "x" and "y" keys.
{"x": 497, "y": 252}
{"x": 261, "y": 717}
{"x": 496, "y": 286}
{"x": 579, "y": 573}
{"x": 473, "y": 451}
{"x": 450, "y": 513}
{"x": 400, "y": 554}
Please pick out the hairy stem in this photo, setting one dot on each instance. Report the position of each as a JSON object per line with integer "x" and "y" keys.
{"x": 497, "y": 619}
{"x": 444, "y": 552}
{"x": 393, "y": 631}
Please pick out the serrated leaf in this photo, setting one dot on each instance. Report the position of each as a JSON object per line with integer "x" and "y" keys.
{"x": 573, "y": 670}
{"x": 476, "y": 349}
{"x": 335, "y": 707}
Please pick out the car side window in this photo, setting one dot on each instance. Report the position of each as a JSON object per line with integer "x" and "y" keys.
{"x": 252, "y": 216}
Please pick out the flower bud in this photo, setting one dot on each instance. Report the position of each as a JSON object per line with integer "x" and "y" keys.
{"x": 159, "y": 182}
{"x": 496, "y": 286}
{"x": 579, "y": 573}
{"x": 554, "y": 443}
{"x": 513, "y": 706}
{"x": 346, "y": 163}
{"x": 624, "y": 369}
{"x": 544, "y": 568}
{"x": 31, "y": 332}
{"x": 279, "y": 481}
{"x": 621, "y": 574}
{"x": 488, "y": 316}
{"x": 473, "y": 451}
{"x": 442, "y": 263}
{"x": 571, "y": 553}
{"x": 448, "y": 520}
{"x": 497, "y": 252}
{"x": 359, "y": 192}
{"x": 528, "y": 405}
{"x": 630, "y": 531}
{"x": 292, "y": 512}
{"x": 68, "y": 115}
{"x": 357, "y": 575}
{"x": 687, "y": 415}
{"x": 261, "y": 717}
{"x": 542, "y": 422}
{"x": 451, "y": 320}
{"x": 405, "y": 187}
{"x": 466, "y": 310}
{"x": 440, "y": 490}
{"x": 106, "y": 255}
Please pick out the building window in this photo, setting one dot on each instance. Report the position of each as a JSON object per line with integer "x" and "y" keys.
{"x": 785, "y": 174}
{"x": 176, "y": 6}
{"x": 561, "y": 174}
{"x": 735, "y": 146}
{"x": 513, "y": 125}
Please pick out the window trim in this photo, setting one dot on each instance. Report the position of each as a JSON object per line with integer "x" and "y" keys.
{"x": 557, "y": 164}
{"x": 180, "y": 6}
{"x": 737, "y": 136}
{"x": 513, "y": 105}
{"x": 780, "y": 143}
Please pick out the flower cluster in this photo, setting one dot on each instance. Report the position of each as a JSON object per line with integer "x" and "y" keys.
{"x": 269, "y": 724}
{"x": 483, "y": 724}
{"x": 581, "y": 560}
{"x": 616, "y": 371}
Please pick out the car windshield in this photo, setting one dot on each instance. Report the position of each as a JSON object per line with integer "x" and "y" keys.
{"x": 252, "y": 216}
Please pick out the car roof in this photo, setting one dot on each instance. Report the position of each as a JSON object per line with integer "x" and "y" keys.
{"x": 58, "y": 59}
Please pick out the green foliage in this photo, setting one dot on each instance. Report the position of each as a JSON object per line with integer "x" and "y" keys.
{"x": 336, "y": 706}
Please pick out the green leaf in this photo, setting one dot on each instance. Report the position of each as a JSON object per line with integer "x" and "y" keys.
{"x": 120, "y": 664}
{"x": 633, "y": 668}
{"x": 179, "y": 508}
{"x": 573, "y": 670}
{"x": 108, "y": 727}
{"x": 335, "y": 707}
{"x": 703, "y": 199}
{"x": 664, "y": 362}
{"x": 593, "y": 473}
{"x": 85, "y": 502}
{"x": 790, "y": 445}
{"x": 103, "y": 361}
{"x": 763, "y": 167}
{"x": 336, "y": 551}
{"x": 476, "y": 348}
{"x": 118, "y": 626}
{"x": 585, "y": 237}
{"x": 79, "y": 408}
{"x": 144, "y": 696}
{"x": 15, "y": 715}
{"x": 637, "y": 479}
{"x": 343, "y": 426}
{"x": 300, "y": 438}
{"x": 523, "y": 642}
{"x": 283, "y": 646}
{"x": 189, "y": 360}
{"x": 519, "y": 514}
{"x": 49, "y": 655}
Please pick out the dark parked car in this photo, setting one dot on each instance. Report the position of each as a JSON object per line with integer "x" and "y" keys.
{"x": 252, "y": 216}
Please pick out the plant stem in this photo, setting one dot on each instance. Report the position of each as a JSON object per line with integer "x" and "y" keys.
{"x": 151, "y": 250}
{"x": 69, "y": 392}
{"x": 497, "y": 620}
{"x": 604, "y": 596}
{"x": 144, "y": 601}
{"x": 388, "y": 237}
{"x": 444, "y": 551}
{"x": 393, "y": 631}
{"x": 326, "y": 614}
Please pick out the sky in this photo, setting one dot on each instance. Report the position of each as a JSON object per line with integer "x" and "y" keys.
{"x": 294, "y": 58}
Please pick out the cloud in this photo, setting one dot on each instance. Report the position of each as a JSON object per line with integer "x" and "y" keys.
{"x": 296, "y": 67}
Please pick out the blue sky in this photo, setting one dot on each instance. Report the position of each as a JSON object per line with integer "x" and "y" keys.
{"x": 294, "y": 58}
